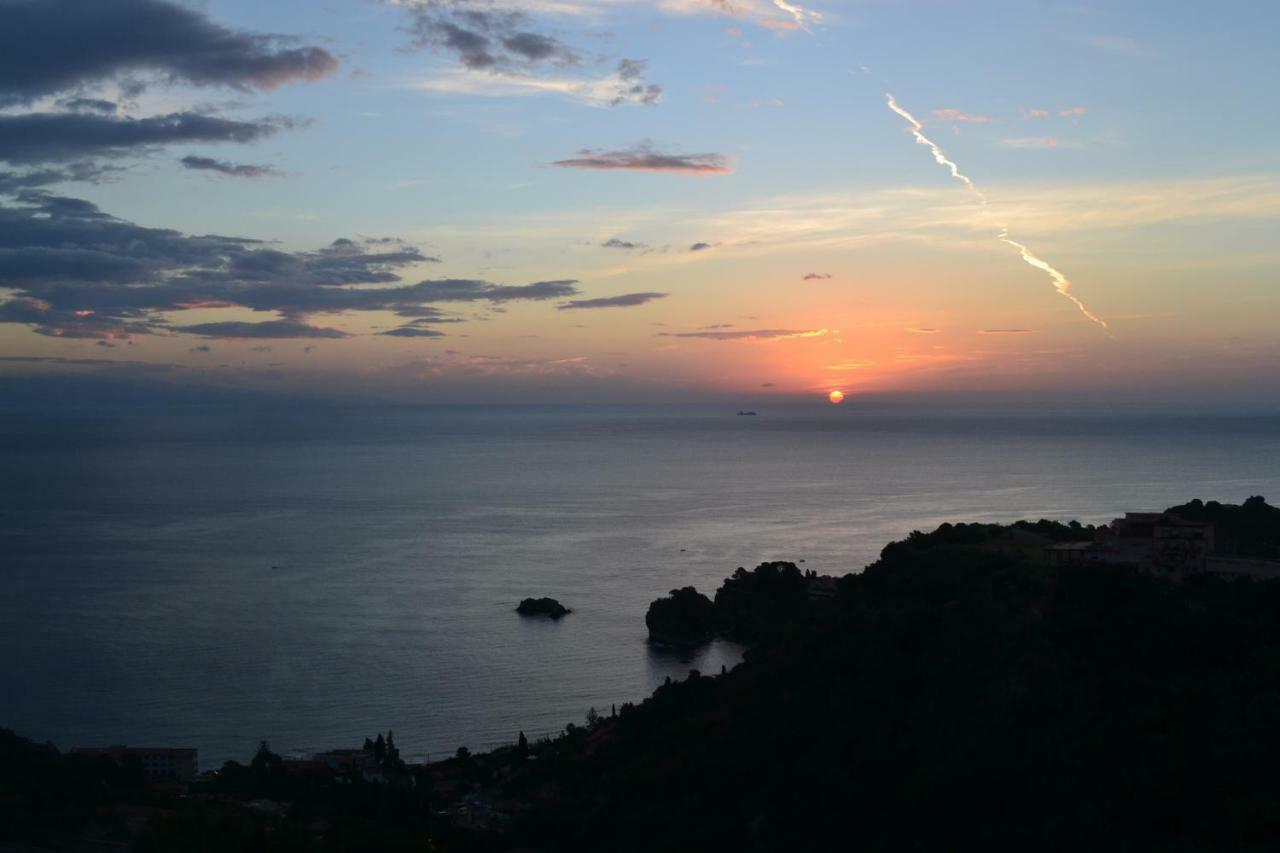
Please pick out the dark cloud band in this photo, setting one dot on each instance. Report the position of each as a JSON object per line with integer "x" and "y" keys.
{"x": 52, "y": 46}
{"x": 34, "y": 138}
{"x": 222, "y": 167}
{"x": 79, "y": 272}
{"x": 643, "y": 158}
{"x": 627, "y": 300}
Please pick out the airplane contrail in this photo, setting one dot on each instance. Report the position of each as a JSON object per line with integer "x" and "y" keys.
{"x": 1060, "y": 282}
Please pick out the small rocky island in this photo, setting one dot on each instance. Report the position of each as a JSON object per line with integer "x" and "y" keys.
{"x": 684, "y": 618}
{"x": 749, "y": 606}
{"x": 548, "y": 607}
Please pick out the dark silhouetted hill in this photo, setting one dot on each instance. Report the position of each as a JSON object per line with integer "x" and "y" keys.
{"x": 958, "y": 696}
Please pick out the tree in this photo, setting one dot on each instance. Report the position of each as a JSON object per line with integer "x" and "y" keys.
{"x": 522, "y": 746}
{"x": 264, "y": 760}
{"x": 393, "y": 753}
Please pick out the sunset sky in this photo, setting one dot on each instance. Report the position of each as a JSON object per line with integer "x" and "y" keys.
{"x": 616, "y": 200}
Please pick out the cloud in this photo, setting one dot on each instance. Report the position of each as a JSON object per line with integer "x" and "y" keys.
{"x": 608, "y": 90}
{"x": 781, "y": 26}
{"x": 90, "y": 105}
{"x": 1121, "y": 45}
{"x": 627, "y": 300}
{"x": 235, "y": 170}
{"x": 644, "y": 158}
{"x": 75, "y": 271}
{"x": 426, "y": 314}
{"x": 32, "y": 138}
{"x": 750, "y": 334}
{"x": 268, "y": 329}
{"x": 471, "y": 290}
{"x": 12, "y": 183}
{"x": 1004, "y": 331}
{"x": 500, "y": 48}
{"x": 949, "y": 114}
{"x": 925, "y": 330}
{"x": 412, "y": 332}
{"x": 52, "y": 46}
{"x": 617, "y": 243}
{"x": 842, "y": 220}
{"x": 484, "y": 37}
{"x": 699, "y": 247}
{"x": 817, "y": 276}
{"x": 85, "y": 362}
{"x": 1034, "y": 142}
{"x": 631, "y": 73}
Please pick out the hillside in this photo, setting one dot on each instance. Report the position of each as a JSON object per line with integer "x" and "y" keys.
{"x": 957, "y": 695}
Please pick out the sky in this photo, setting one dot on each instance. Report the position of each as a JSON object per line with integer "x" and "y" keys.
{"x": 643, "y": 200}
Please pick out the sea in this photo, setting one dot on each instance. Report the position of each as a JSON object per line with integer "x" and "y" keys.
{"x": 310, "y": 576}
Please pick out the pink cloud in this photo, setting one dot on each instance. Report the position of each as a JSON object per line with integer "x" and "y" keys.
{"x": 949, "y": 114}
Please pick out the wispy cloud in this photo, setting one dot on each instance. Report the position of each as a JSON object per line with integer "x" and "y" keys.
{"x": 222, "y": 167}
{"x": 646, "y": 158}
{"x": 607, "y": 90}
{"x": 1117, "y": 44}
{"x": 502, "y": 49}
{"x": 949, "y": 114}
{"x": 750, "y": 334}
{"x": 626, "y": 300}
{"x": 267, "y": 329}
{"x": 625, "y": 245}
{"x": 1038, "y": 142}
{"x": 412, "y": 332}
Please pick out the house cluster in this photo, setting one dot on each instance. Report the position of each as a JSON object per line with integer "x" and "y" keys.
{"x": 1158, "y": 543}
{"x": 160, "y": 765}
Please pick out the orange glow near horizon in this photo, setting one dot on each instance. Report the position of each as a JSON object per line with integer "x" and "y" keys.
{"x": 836, "y": 397}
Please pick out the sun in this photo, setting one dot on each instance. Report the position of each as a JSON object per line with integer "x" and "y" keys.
{"x": 836, "y": 397}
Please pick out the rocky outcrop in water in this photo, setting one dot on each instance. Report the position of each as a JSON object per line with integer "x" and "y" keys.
{"x": 548, "y": 607}
{"x": 684, "y": 618}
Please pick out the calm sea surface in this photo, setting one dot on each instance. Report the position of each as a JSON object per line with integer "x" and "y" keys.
{"x": 213, "y": 579}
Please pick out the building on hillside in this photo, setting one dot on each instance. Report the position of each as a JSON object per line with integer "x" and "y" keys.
{"x": 1157, "y": 543}
{"x": 159, "y": 764}
{"x": 1161, "y": 544}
